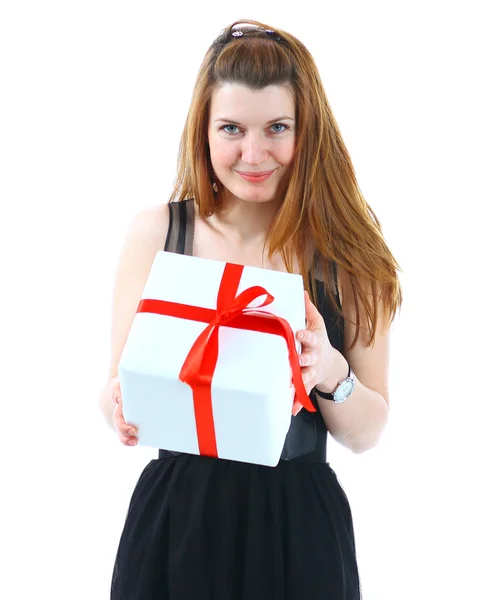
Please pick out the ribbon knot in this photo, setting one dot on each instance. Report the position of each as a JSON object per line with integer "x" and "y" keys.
{"x": 226, "y": 315}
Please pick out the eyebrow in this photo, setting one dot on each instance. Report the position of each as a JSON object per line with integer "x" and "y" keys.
{"x": 268, "y": 123}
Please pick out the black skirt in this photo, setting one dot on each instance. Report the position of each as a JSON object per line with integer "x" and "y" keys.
{"x": 201, "y": 528}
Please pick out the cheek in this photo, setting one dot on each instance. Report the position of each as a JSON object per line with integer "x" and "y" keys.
{"x": 285, "y": 152}
{"x": 222, "y": 154}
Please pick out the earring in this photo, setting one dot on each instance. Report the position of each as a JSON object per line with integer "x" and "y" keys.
{"x": 214, "y": 187}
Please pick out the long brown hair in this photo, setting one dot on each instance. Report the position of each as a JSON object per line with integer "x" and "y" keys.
{"x": 323, "y": 207}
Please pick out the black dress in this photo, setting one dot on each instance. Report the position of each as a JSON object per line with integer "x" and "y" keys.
{"x": 201, "y": 528}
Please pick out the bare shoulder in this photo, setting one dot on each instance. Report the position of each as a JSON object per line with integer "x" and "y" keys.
{"x": 149, "y": 226}
{"x": 145, "y": 236}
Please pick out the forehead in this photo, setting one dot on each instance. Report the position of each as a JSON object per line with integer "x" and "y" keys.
{"x": 240, "y": 103}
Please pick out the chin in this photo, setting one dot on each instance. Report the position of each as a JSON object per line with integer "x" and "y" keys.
{"x": 250, "y": 192}
{"x": 254, "y": 196}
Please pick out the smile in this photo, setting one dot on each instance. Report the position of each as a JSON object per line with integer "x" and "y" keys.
{"x": 256, "y": 178}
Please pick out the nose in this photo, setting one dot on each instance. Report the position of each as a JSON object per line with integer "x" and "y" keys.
{"x": 255, "y": 149}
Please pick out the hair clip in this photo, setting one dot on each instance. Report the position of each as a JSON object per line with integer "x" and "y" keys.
{"x": 272, "y": 34}
{"x": 269, "y": 32}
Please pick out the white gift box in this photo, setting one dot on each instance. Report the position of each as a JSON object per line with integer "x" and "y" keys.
{"x": 251, "y": 390}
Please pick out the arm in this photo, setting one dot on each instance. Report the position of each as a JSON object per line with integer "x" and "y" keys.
{"x": 359, "y": 421}
{"x": 145, "y": 237}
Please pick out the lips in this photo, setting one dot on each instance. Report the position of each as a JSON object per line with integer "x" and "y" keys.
{"x": 258, "y": 178}
{"x": 255, "y": 176}
{"x": 255, "y": 173}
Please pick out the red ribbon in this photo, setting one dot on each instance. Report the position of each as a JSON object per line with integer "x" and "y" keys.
{"x": 199, "y": 366}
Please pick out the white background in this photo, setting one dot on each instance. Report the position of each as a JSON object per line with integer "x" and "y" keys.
{"x": 93, "y": 100}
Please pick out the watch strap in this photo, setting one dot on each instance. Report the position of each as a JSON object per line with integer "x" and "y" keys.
{"x": 330, "y": 395}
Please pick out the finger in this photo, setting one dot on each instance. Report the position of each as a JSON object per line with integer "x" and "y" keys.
{"x": 124, "y": 436}
{"x": 126, "y": 432}
{"x": 307, "y": 338}
{"x": 122, "y": 427}
{"x": 307, "y": 359}
{"x": 126, "y": 440}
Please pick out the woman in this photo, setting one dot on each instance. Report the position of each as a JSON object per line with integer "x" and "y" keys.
{"x": 264, "y": 179}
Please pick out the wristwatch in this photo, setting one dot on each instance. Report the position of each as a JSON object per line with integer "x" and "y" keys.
{"x": 343, "y": 390}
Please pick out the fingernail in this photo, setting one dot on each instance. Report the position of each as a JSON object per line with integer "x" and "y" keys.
{"x": 133, "y": 442}
{"x": 131, "y": 431}
{"x": 300, "y": 335}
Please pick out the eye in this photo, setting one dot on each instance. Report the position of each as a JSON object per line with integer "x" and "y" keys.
{"x": 223, "y": 128}
{"x": 282, "y": 125}
{"x": 273, "y": 125}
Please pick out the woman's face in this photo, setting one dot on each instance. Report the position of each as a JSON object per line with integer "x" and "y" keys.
{"x": 252, "y": 131}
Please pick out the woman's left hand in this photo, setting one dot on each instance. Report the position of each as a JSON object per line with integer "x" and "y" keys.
{"x": 318, "y": 354}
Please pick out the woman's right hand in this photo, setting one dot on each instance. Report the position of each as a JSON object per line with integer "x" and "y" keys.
{"x": 126, "y": 432}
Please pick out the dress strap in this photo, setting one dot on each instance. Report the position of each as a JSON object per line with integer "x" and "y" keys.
{"x": 173, "y": 230}
{"x": 181, "y": 227}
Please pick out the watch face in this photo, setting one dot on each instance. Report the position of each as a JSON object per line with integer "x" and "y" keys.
{"x": 344, "y": 390}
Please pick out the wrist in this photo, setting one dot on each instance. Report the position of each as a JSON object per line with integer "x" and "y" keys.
{"x": 339, "y": 372}
{"x": 107, "y": 405}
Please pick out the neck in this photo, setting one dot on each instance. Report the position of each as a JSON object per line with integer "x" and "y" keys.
{"x": 246, "y": 222}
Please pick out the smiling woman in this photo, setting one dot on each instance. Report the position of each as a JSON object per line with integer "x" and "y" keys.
{"x": 262, "y": 147}
{"x": 264, "y": 179}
